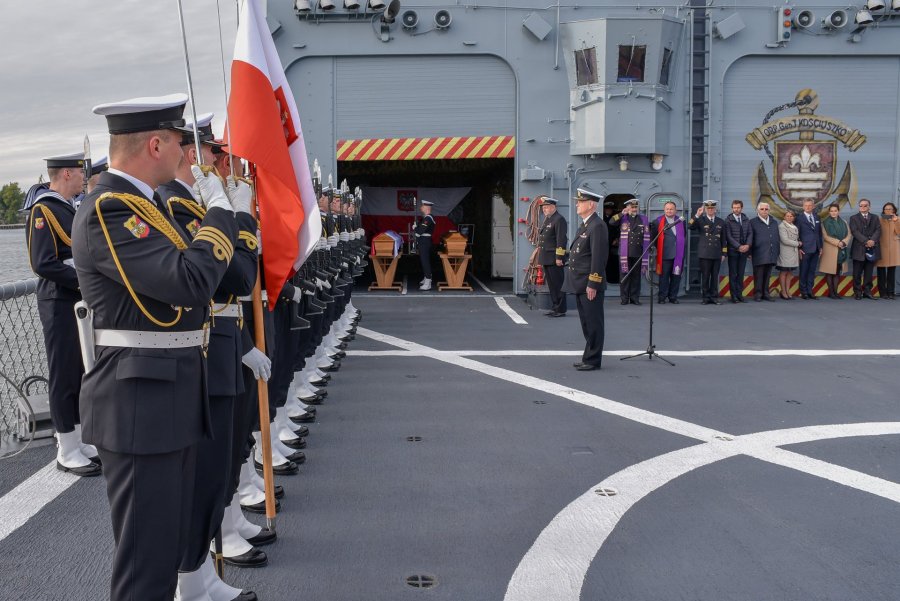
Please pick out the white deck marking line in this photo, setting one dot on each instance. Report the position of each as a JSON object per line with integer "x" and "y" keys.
{"x": 663, "y": 422}
{"x": 28, "y": 498}
{"x": 568, "y": 545}
{"x": 504, "y": 306}
{"x": 573, "y": 539}
{"x": 480, "y": 283}
{"x": 620, "y": 353}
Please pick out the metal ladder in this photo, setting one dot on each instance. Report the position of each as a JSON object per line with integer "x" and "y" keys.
{"x": 699, "y": 118}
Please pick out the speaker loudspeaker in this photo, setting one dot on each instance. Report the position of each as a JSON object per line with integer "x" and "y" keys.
{"x": 442, "y": 19}
{"x": 804, "y": 19}
{"x": 835, "y": 20}
{"x": 409, "y": 20}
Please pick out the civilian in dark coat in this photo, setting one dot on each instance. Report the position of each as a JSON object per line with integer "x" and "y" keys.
{"x": 739, "y": 235}
{"x": 766, "y": 247}
{"x": 864, "y": 249}
{"x": 810, "y": 228}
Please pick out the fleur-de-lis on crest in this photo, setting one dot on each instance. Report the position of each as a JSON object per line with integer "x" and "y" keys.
{"x": 805, "y": 159}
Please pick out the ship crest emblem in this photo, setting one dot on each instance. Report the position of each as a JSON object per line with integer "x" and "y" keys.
{"x": 38, "y": 223}
{"x": 137, "y": 227}
{"x": 804, "y": 168}
{"x": 193, "y": 227}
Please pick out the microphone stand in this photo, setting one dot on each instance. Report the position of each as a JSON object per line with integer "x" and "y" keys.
{"x": 651, "y": 348}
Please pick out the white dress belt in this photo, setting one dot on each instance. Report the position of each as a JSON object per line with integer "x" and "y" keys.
{"x": 139, "y": 339}
{"x": 230, "y": 310}
{"x": 247, "y": 299}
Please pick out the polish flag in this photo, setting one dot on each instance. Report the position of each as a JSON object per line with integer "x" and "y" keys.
{"x": 264, "y": 128}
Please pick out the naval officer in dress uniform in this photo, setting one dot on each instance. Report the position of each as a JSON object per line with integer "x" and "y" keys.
{"x": 552, "y": 244}
{"x": 587, "y": 261}
{"x": 49, "y": 228}
{"x": 423, "y": 233}
{"x": 144, "y": 401}
{"x": 224, "y": 358}
{"x": 711, "y": 249}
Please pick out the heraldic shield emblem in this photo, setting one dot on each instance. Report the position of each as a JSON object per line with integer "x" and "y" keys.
{"x": 804, "y": 165}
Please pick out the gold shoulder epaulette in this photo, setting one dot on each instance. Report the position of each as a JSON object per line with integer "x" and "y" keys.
{"x": 191, "y": 205}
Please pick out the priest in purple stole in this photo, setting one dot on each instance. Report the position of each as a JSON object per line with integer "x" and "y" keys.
{"x": 670, "y": 247}
{"x": 634, "y": 238}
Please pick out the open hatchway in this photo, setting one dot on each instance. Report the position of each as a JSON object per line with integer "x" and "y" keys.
{"x": 472, "y": 196}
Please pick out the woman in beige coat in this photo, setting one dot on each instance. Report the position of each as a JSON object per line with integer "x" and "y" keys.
{"x": 788, "y": 253}
{"x": 837, "y": 237}
{"x": 890, "y": 250}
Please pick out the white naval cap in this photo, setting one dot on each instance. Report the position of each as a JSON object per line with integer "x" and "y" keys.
{"x": 582, "y": 194}
{"x": 427, "y": 203}
{"x": 100, "y": 165}
{"x": 204, "y": 129}
{"x": 148, "y": 113}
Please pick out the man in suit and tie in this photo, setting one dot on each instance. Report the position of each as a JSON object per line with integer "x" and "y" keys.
{"x": 864, "y": 249}
{"x": 587, "y": 260}
{"x": 810, "y": 229}
{"x": 740, "y": 240}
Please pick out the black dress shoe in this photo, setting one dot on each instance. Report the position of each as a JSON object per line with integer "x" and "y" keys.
{"x": 736, "y": 301}
{"x": 320, "y": 383}
{"x": 261, "y": 506}
{"x": 306, "y": 418}
{"x": 313, "y": 397}
{"x": 706, "y": 301}
{"x": 297, "y": 457}
{"x": 91, "y": 469}
{"x": 635, "y": 301}
{"x": 333, "y": 367}
{"x": 556, "y": 314}
{"x": 285, "y": 469}
{"x": 869, "y": 296}
{"x": 857, "y": 296}
{"x": 674, "y": 301}
{"x": 661, "y": 301}
{"x": 769, "y": 298}
{"x": 318, "y": 400}
{"x": 265, "y": 537}
{"x": 715, "y": 301}
{"x": 295, "y": 443}
{"x": 741, "y": 299}
{"x": 254, "y": 558}
{"x": 624, "y": 301}
{"x": 96, "y": 459}
{"x": 246, "y": 596}
{"x": 586, "y": 366}
{"x": 549, "y": 313}
{"x": 813, "y": 297}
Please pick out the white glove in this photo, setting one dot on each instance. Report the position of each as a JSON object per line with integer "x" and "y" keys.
{"x": 298, "y": 294}
{"x": 361, "y": 233}
{"x": 258, "y": 242}
{"x": 70, "y": 263}
{"x": 240, "y": 193}
{"x": 333, "y": 240}
{"x": 210, "y": 190}
{"x": 321, "y": 244}
{"x": 344, "y": 237}
{"x": 259, "y": 364}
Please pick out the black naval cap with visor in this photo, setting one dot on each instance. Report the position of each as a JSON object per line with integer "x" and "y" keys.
{"x": 149, "y": 113}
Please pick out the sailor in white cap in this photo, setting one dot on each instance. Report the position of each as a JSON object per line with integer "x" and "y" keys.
{"x": 49, "y": 227}
{"x": 423, "y": 233}
{"x": 144, "y": 397}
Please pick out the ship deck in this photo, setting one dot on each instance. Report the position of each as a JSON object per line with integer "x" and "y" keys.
{"x": 460, "y": 445}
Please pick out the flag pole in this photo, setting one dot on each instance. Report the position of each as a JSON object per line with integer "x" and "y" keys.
{"x": 187, "y": 70}
{"x": 264, "y": 429}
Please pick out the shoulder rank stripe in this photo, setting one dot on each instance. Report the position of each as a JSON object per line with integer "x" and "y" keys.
{"x": 249, "y": 239}
{"x": 560, "y": 251}
{"x": 223, "y": 249}
{"x": 595, "y": 277}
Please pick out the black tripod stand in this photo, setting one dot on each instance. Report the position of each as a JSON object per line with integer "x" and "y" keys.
{"x": 651, "y": 348}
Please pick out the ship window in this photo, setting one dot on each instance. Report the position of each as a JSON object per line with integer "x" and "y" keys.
{"x": 664, "y": 70}
{"x": 585, "y": 66}
{"x": 631, "y": 63}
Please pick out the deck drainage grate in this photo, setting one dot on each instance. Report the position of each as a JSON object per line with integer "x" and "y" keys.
{"x": 606, "y": 491}
{"x": 540, "y": 402}
{"x": 724, "y": 437}
{"x": 421, "y": 581}
{"x": 413, "y": 439}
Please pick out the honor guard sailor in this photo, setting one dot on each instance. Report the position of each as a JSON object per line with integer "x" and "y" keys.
{"x": 423, "y": 233}
{"x": 214, "y": 471}
{"x": 144, "y": 398}
{"x": 49, "y": 231}
{"x": 587, "y": 260}
{"x": 552, "y": 244}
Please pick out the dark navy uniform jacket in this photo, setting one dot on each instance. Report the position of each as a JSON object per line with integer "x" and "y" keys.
{"x": 226, "y": 347}
{"x": 587, "y": 257}
{"x": 552, "y": 239}
{"x": 635, "y": 234}
{"x": 49, "y": 229}
{"x": 712, "y": 243}
{"x": 137, "y": 272}
{"x": 425, "y": 229}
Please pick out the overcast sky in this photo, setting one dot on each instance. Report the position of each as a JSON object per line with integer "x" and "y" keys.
{"x": 61, "y": 58}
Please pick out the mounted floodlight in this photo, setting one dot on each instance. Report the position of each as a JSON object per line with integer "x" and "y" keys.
{"x": 875, "y": 4}
{"x": 410, "y": 19}
{"x": 351, "y": 4}
{"x": 864, "y": 17}
{"x": 656, "y": 162}
{"x": 835, "y": 20}
{"x": 442, "y": 19}
{"x": 391, "y": 12}
{"x": 326, "y": 4}
{"x": 895, "y": 4}
{"x": 623, "y": 162}
{"x": 376, "y": 4}
{"x": 301, "y": 6}
{"x": 804, "y": 19}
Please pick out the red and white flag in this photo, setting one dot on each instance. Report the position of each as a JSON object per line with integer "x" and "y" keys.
{"x": 264, "y": 128}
